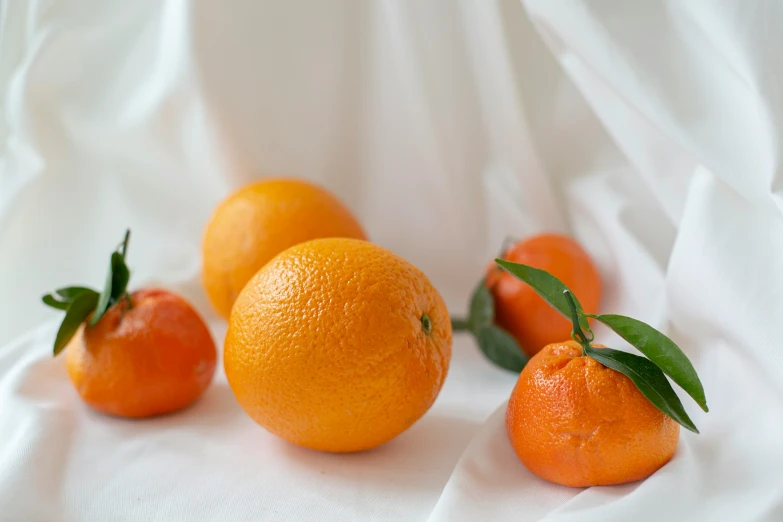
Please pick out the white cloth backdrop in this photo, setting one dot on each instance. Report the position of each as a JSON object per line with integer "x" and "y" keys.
{"x": 649, "y": 130}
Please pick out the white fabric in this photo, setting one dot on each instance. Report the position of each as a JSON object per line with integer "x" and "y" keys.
{"x": 649, "y": 130}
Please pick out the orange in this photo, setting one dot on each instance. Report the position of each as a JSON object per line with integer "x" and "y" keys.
{"x": 522, "y": 312}
{"x": 575, "y": 422}
{"x": 258, "y": 222}
{"x": 156, "y": 357}
{"x": 337, "y": 345}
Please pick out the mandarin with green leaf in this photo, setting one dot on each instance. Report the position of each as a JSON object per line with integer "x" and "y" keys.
{"x": 135, "y": 354}
{"x": 586, "y": 415}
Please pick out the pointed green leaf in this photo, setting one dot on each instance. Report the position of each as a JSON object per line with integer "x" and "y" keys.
{"x": 70, "y": 293}
{"x": 116, "y": 280}
{"x": 78, "y": 311}
{"x": 120, "y": 276}
{"x": 660, "y": 350}
{"x": 482, "y": 308}
{"x": 547, "y": 286}
{"x": 105, "y": 297}
{"x": 65, "y": 296}
{"x": 52, "y": 301}
{"x": 648, "y": 378}
{"x": 500, "y": 348}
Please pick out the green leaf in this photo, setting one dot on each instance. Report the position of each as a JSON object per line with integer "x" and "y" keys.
{"x": 52, "y": 301}
{"x": 120, "y": 276}
{"x": 660, "y": 350}
{"x": 116, "y": 281}
{"x": 648, "y": 378}
{"x": 500, "y": 348}
{"x": 494, "y": 342}
{"x": 482, "y": 308}
{"x": 70, "y": 293}
{"x": 105, "y": 297}
{"x": 65, "y": 296}
{"x": 77, "y": 312}
{"x": 547, "y": 286}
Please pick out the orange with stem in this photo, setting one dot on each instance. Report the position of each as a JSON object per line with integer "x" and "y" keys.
{"x": 582, "y": 414}
{"x": 133, "y": 354}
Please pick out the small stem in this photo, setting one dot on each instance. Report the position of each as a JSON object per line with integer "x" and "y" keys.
{"x": 124, "y": 244}
{"x": 426, "y": 324}
{"x": 507, "y": 243}
{"x": 576, "y": 332}
{"x": 459, "y": 325}
{"x": 128, "y": 300}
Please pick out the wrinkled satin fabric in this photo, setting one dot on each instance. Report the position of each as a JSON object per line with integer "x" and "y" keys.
{"x": 650, "y": 131}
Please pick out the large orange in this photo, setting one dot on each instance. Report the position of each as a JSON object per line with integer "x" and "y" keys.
{"x": 522, "y": 312}
{"x": 156, "y": 357}
{"x": 576, "y": 422}
{"x": 259, "y": 221}
{"x": 337, "y": 345}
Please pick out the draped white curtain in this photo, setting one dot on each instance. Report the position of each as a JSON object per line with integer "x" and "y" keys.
{"x": 649, "y": 130}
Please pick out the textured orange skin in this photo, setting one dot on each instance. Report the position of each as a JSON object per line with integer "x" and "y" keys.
{"x": 522, "y": 312}
{"x": 259, "y": 221}
{"x": 577, "y": 423}
{"x": 155, "y": 358}
{"x": 325, "y": 346}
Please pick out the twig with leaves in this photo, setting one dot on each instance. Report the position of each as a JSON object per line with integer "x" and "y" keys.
{"x": 79, "y": 301}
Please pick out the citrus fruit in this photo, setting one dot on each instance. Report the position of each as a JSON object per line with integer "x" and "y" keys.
{"x": 337, "y": 345}
{"x": 155, "y": 357}
{"x": 132, "y": 355}
{"x": 521, "y": 311}
{"x": 259, "y": 221}
{"x": 575, "y": 422}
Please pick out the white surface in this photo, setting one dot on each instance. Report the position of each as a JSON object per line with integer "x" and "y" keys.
{"x": 649, "y": 130}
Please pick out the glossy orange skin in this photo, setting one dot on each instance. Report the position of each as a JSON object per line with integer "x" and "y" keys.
{"x": 522, "y": 312}
{"x": 577, "y": 423}
{"x": 155, "y": 358}
{"x": 259, "y": 221}
{"x": 326, "y": 347}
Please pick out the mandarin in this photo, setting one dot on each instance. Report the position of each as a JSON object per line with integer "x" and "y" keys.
{"x": 521, "y": 311}
{"x": 152, "y": 358}
{"x": 575, "y": 422}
